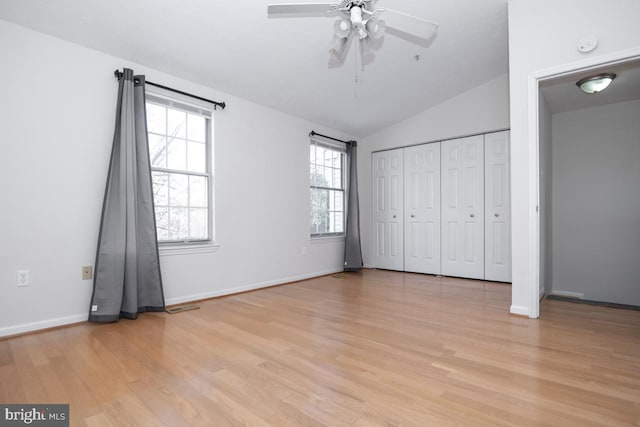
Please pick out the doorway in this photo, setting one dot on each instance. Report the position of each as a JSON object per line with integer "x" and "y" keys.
{"x": 588, "y": 150}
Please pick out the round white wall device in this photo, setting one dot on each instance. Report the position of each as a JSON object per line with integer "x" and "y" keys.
{"x": 587, "y": 44}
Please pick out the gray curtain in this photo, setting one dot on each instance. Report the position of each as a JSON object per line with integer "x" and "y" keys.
{"x": 127, "y": 269}
{"x": 352, "y": 247}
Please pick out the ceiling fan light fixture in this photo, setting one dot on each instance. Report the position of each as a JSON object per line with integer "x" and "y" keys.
{"x": 595, "y": 84}
{"x": 342, "y": 28}
{"x": 375, "y": 28}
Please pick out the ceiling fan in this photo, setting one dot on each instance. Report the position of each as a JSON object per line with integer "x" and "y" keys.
{"x": 359, "y": 19}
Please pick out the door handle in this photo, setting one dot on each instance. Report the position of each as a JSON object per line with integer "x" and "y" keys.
{"x": 496, "y": 215}
{"x": 472, "y": 215}
{"x": 413, "y": 216}
{"x": 394, "y": 216}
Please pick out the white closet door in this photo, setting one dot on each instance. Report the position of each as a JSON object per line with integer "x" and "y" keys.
{"x": 497, "y": 208}
{"x": 463, "y": 207}
{"x": 422, "y": 208}
{"x": 387, "y": 180}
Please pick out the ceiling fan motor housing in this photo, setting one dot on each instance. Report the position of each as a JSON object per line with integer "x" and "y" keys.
{"x": 356, "y": 16}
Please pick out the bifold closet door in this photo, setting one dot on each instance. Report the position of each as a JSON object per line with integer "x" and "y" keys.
{"x": 422, "y": 208}
{"x": 497, "y": 207}
{"x": 463, "y": 207}
{"x": 387, "y": 183}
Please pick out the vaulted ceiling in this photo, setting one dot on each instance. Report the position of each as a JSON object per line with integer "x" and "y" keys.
{"x": 234, "y": 47}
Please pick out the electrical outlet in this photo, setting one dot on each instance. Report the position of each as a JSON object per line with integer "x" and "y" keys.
{"x": 22, "y": 278}
{"x": 87, "y": 273}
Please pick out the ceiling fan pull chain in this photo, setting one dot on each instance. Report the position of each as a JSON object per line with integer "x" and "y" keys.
{"x": 357, "y": 77}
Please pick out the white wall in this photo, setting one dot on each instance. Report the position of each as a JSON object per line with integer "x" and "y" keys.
{"x": 596, "y": 202}
{"x": 479, "y": 110}
{"x": 57, "y": 114}
{"x": 544, "y": 34}
{"x": 546, "y": 177}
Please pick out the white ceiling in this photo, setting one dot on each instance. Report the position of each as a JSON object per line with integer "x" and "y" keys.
{"x": 283, "y": 62}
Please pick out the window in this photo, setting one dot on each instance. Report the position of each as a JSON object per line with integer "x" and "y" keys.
{"x": 180, "y": 154}
{"x": 328, "y": 183}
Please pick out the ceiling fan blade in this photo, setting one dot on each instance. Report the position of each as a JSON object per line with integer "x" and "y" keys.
{"x": 409, "y": 24}
{"x": 339, "y": 49}
{"x": 366, "y": 51}
{"x": 300, "y": 9}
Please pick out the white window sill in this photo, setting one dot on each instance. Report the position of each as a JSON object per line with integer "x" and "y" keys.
{"x": 327, "y": 239}
{"x": 186, "y": 249}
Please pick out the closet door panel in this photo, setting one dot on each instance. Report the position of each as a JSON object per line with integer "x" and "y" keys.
{"x": 473, "y": 164}
{"x": 463, "y": 207}
{"x": 388, "y": 188}
{"x": 422, "y": 208}
{"x": 497, "y": 208}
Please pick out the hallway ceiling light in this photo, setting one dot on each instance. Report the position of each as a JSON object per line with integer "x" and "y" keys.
{"x": 595, "y": 84}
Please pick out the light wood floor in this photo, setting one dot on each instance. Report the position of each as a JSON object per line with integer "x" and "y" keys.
{"x": 362, "y": 349}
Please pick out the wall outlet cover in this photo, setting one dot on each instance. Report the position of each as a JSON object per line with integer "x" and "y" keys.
{"x": 22, "y": 278}
{"x": 87, "y": 272}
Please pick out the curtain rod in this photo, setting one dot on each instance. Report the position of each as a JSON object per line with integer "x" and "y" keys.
{"x": 314, "y": 133}
{"x": 222, "y": 105}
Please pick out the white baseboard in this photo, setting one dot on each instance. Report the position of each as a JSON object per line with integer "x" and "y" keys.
{"x": 519, "y": 310}
{"x": 576, "y": 295}
{"x": 251, "y": 287}
{"x": 43, "y": 324}
{"x": 77, "y": 318}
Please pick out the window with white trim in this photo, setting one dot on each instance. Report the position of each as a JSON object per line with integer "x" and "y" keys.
{"x": 328, "y": 182}
{"x": 181, "y": 162}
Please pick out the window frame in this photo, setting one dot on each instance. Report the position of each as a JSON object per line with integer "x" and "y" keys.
{"x": 189, "y": 105}
{"x": 317, "y": 141}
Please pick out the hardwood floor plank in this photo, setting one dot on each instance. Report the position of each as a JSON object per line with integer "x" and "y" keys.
{"x": 376, "y": 348}
{"x": 6, "y": 356}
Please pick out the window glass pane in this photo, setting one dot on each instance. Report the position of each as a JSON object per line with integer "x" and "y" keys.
{"x": 196, "y": 157}
{"x": 337, "y": 226}
{"x": 337, "y": 178}
{"x": 323, "y": 226}
{"x": 162, "y": 223}
{"x": 157, "y": 151}
{"x": 196, "y": 128}
{"x": 198, "y": 191}
{"x": 178, "y": 190}
{"x": 324, "y": 157}
{"x": 336, "y": 161}
{"x": 156, "y": 119}
{"x": 330, "y": 158}
{"x": 177, "y": 154}
{"x": 327, "y": 177}
{"x": 319, "y": 209}
{"x": 338, "y": 201}
{"x": 198, "y": 223}
{"x": 176, "y": 123}
{"x": 178, "y": 223}
{"x": 316, "y": 177}
{"x": 160, "y": 188}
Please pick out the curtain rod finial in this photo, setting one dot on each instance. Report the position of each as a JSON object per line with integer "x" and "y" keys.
{"x": 118, "y": 74}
